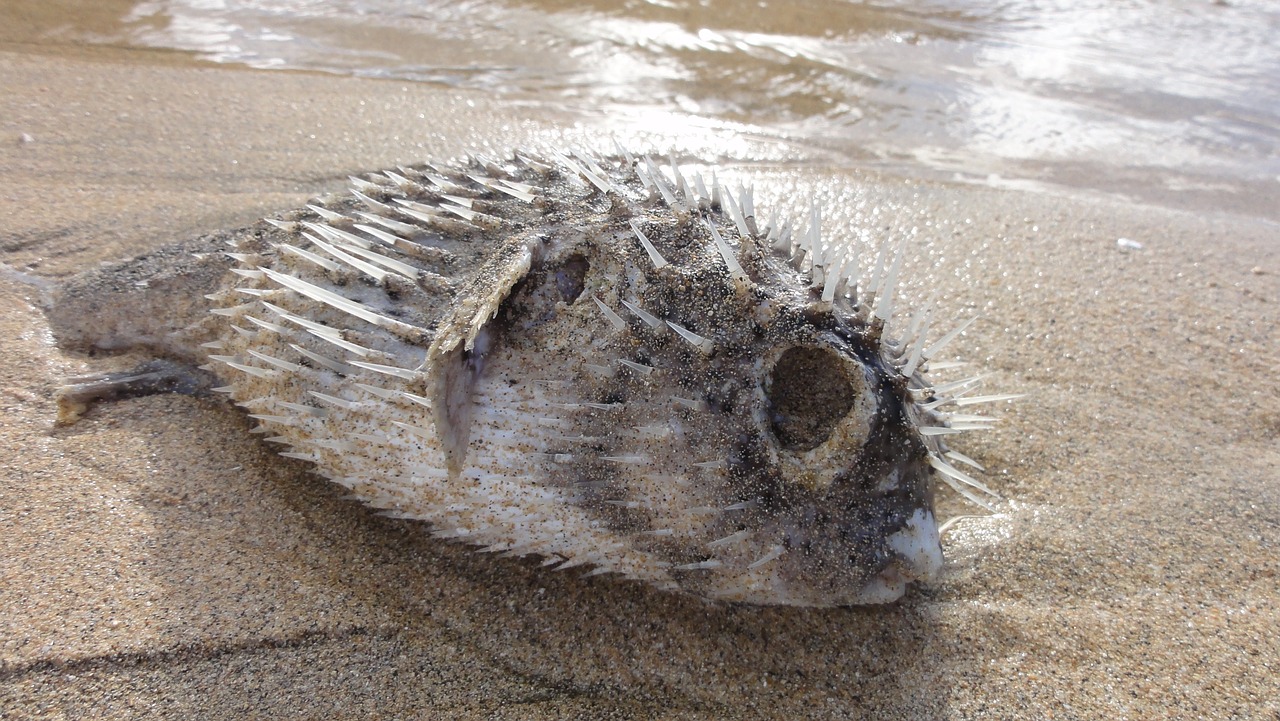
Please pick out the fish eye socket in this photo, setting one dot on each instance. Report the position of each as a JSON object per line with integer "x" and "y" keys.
{"x": 809, "y": 392}
{"x": 571, "y": 277}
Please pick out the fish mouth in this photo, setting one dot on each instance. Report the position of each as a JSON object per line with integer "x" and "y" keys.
{"x": 917, "y": 551}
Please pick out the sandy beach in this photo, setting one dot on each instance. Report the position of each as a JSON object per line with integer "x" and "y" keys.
{"x": 158, "y": 562}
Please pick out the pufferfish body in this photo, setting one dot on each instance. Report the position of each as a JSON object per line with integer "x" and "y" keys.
{"x": 597, "y": 360}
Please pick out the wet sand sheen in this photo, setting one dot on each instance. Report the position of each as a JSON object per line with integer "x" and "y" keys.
{"x": 160, "y": 562}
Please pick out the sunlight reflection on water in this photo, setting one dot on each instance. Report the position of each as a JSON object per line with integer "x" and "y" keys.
{"x": 1140, "y": 98}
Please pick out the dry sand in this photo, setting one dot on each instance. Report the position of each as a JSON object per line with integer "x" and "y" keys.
{"x": 158, "y": 562}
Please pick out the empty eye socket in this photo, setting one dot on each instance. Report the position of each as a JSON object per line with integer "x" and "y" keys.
{"x": 571, "y": 277}
{"x": 809, "y": 391}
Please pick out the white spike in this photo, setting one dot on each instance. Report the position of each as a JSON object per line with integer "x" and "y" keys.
{"x": 310, "y": 457}
{"x": 380, "y": 235}
{"x": 598, "y": 172}
{"x": 443, "y": 183}
{"x": 333, "y": 365}
{"x": 420, "y": 400}
{"x": 774, "y": 553}
{"x": 514, "y": 192}
{"x": 748, "y": 202}
{"x": 310, "y": 257}
{"x": 341, "y": 343}
{"x": 366, "y": 186}
{"x": 946, "y": 388}
{"x": 964, "y": 426}
{"x": 697, "y": 405}
{"x": 402, "y": 182}
{"x": 313, "y": 411}
{"x": 370, "y": 203}
{"x": 334, "y": 300}
{"x": 884, "y": 303}
{"x": 780, "y": 238}
{"x": 287, "y": 226}
{"x": 606, "y": 406}
{"x": 730, "y": 539}
{"x": 273, "y": 327}
{"x": 391, "y": 224}
{"x": 614, "y": 319}
{"x": 771, "y": 230}
{"x": 735, "y": 268}
{"x": 326, "y": 213}
{"x": 634, "y": 458}
{"x": 914, "y": 326}
{"x": 602, "y": 371}
{"x": 952, "y": 472}
{"x": 655, "y": 431}
{"x": 298, "y": 320}
{"x": 342, "y": 403}
{"x": 703, "y": 344}
{"x": 270, "y": 418}
{"x": 374, "y": 272}
{"x": 464, "y": 213}
{"x": 939, "y": 431}
{"x": 425, "y": 213}
{"x": 932, "y": 350}
{"x": 652, "y": 320}
{"x": 338, "y": 236}
{"x": 281, "y": 364}
{"x": 832, "y": 280}
{"x": 577, "y": 172}
{"x": 681, "y": 189}
{"x": 877, "y": 273}
{"x": 735, "y": 212}
{"x": 643, "y": 174}
{"x": 704, "y": 197}
{"x": 408, "y": 271}
{"x": 974, "y": 400}
{"x": 815, "y": 231}
{"x": 637, "y": 367}
{"x": 626, "y": 155}
{"x": 658, "y": 261}
{"x": 404, "y": 373}
{"x": 663, "y": 185}
{"x": 958, "y": 456}
{"x": 522, "y": 187}
{"x": 382, "y": 393}
{"x": 699, "y": 566}
{"x": 251, "y": 370}
{"x": 917, "y": 348}
{"x": 419, "y": 431}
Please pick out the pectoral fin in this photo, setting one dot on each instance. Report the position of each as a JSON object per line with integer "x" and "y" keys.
{"x": 456, "y": 356}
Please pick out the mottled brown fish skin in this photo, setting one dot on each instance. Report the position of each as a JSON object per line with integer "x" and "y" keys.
{"x": 590, "y": 359}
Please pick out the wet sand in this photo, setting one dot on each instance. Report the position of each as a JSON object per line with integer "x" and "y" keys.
{"x": 159, "y": 562}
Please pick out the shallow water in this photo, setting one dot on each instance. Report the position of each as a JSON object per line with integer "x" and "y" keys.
{"x": 1172, "y": 102}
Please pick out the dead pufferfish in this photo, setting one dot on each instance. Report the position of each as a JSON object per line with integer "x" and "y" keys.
{"x": 594, "y": 359}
